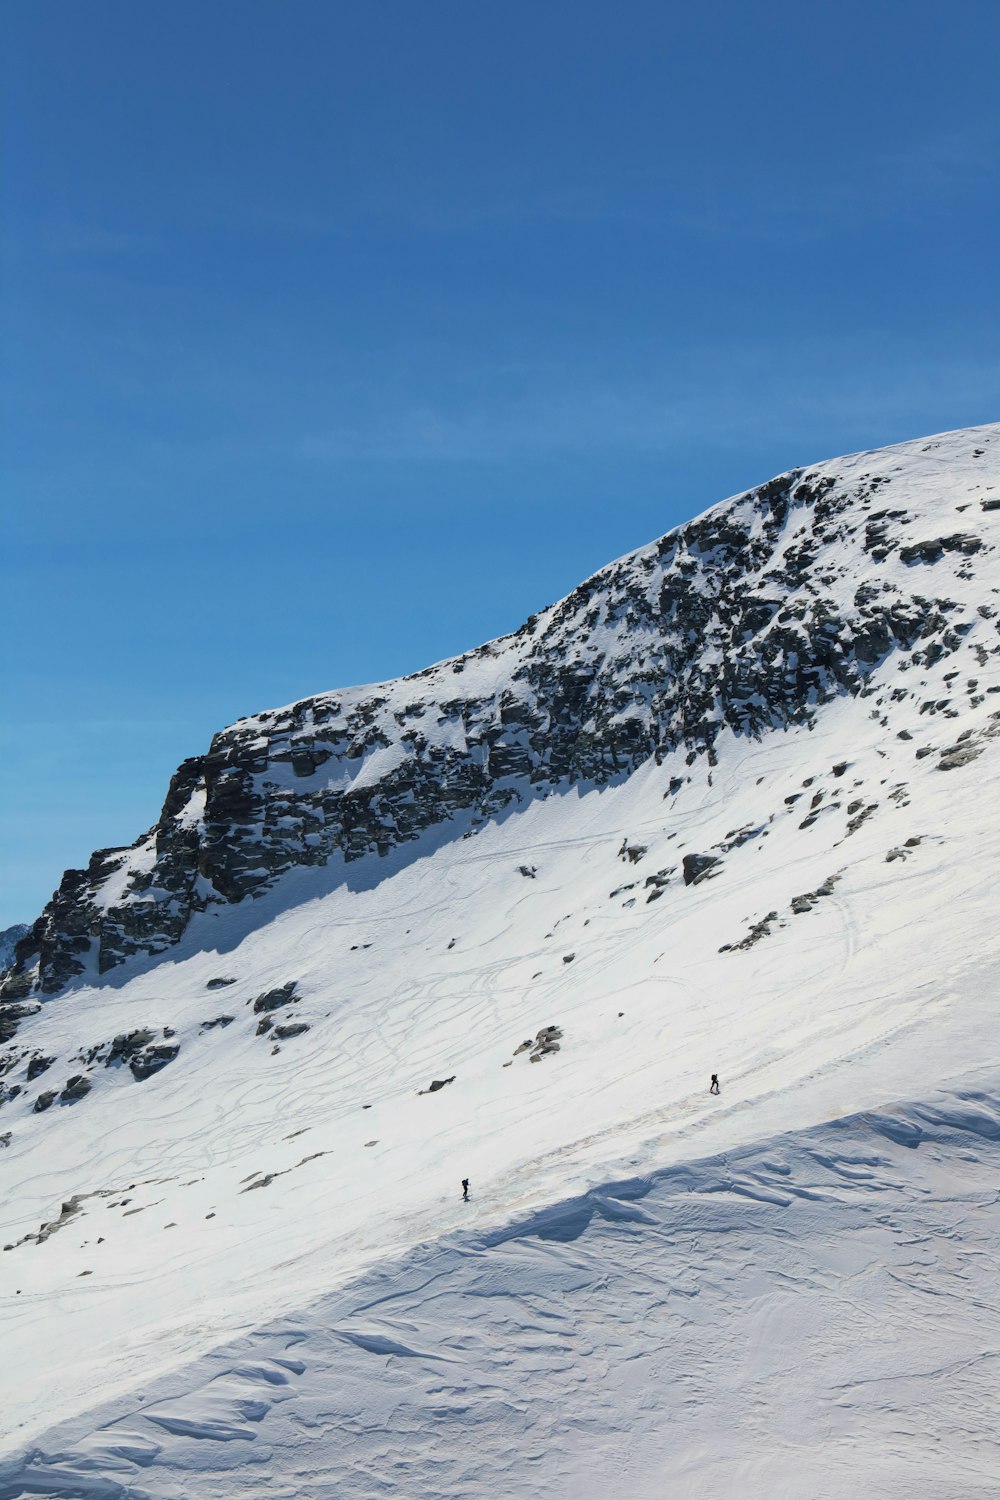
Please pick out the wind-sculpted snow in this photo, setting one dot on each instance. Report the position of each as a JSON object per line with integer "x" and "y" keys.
{"x": 746, "y": 619}
{"x": 814, "y": 1316}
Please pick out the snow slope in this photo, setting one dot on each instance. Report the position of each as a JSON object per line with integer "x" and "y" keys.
{"x": 805, "y": 1316}
{"x": 246, "y": 1267}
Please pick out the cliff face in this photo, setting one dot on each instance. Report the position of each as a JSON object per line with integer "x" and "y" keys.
{"x": 745, "y": 619}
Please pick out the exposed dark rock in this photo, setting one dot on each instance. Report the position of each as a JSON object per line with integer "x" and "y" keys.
{"x": 217, "y": 1021}
{"x": 737, "y": 837}
{"x": 219, "y": 984}
{"x": 699, "y": 867}
{"x": 295, "y": 1028}
{"x": 438, "y": 1083}
{"x": 43, "y": 1101}
{"x": 855, "y": 822}
{"x": 275, "y": 999}
{"x": 632, "y": 852}
{"x": 958, "y": 755}
{"x": 528, "y": 871}
{"x": 127, "y": 1044}
{"x": 10, "y": 1018}
{"x": 76, "y": 1088}
{"x": 932, "y": 551}
{"x": 15, "y": 986}
{"x": 806, "y": 902}
{"x": 757, "y": 931}
{"x": 38, "y": 1065}
{"x": 546, "y": 1041}
{"x": 67, "y": 1212}
{"x": 261, "y": 1182}
{"x": 151, "y": 1059}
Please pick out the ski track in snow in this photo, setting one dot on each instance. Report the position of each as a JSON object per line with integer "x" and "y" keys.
{"x": 261, "y": 1286}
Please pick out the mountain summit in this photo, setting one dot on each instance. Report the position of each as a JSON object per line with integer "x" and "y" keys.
{"x": 727, "y": 809}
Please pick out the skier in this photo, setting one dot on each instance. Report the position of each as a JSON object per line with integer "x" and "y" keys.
{"x": 465, "y": 1190}
{"x": 713, "y": 1087}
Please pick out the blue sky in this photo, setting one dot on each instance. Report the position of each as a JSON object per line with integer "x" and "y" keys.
{"x": 339, "y": 337}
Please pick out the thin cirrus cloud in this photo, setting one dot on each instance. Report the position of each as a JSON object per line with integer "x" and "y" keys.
{"x": 659, "y": 415}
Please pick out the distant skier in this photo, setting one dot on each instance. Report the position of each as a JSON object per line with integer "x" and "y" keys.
{"x": 713, "y": 1087}
{"x": 465, "y": 1190}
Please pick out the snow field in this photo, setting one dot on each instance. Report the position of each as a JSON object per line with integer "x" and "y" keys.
{"x": 804, "y": 1316}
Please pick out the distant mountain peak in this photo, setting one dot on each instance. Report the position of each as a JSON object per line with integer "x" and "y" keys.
{"x": 746, "y": 619}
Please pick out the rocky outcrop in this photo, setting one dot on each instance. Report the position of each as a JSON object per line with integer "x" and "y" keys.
{"x": 933, "y": 550}
{"x": 10, "y": 1018}
{"x": 746, "y": 619}
{"x": 546, "y": 1041}
{"x": 438, "y": 1083}
{"x": 152, "y": 1059}
{"x": 699, "y": 867}
{"x": 76, "y": 1088}
{"x": 275, "y": 999}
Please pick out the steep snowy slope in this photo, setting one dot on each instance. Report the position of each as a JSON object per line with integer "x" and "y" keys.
{"x": 727, "y": 808}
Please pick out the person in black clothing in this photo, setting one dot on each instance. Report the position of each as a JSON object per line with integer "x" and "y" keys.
{"x": 713, "y": 1087}
{"x": 465, "y": 1190}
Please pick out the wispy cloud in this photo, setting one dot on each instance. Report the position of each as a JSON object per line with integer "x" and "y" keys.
{"x": 741, "y": 398}
{"x": 69, "y": 239}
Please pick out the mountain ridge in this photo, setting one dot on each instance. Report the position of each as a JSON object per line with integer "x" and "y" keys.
{"x": 661, "y": 649}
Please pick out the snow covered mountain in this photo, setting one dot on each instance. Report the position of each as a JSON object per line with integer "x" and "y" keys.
{"x": 727, "y": 807}
{"x": 745, "y": 620}
{"x": 9, "y": 939}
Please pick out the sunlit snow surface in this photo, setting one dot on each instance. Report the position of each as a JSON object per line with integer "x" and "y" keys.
{"x": 790, "y": 1290}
